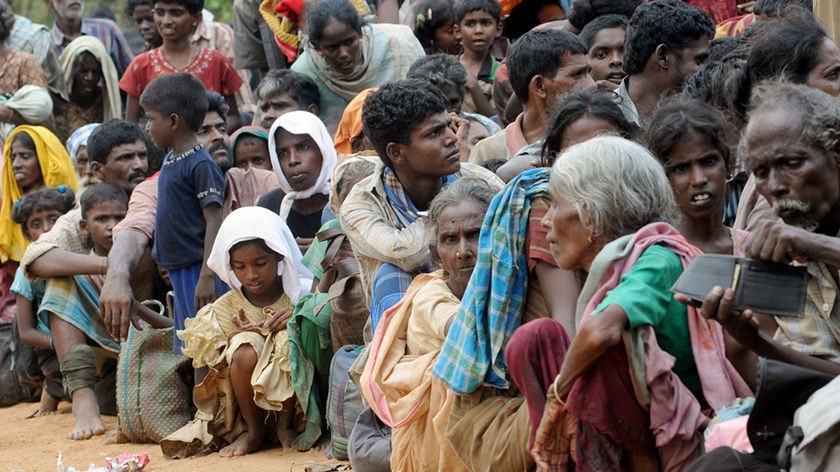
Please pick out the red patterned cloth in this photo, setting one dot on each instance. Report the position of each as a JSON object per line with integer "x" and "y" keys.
{"x": 719, "y": 10}
{"x": 214, "y": 70}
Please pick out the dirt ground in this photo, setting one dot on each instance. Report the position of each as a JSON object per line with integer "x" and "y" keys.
{"x": 32, "y": 445}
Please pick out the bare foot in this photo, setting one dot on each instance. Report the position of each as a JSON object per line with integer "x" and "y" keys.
{"x": 323, "y": 443}
{"x": 286, "y": 436}
{"x": 86, "y": 411}
{"x": 246, "y": 443}
{"x": 49, "y": 404}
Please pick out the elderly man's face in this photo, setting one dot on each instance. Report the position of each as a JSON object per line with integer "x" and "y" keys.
{"x": 798, "y": 180}
{"x": 68, "y": 9}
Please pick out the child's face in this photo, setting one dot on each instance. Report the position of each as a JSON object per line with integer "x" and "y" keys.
{"x": 159, "y": 128}
{"x": 100, "y": 221}
{"x": 41, "y": 221}
{"x": 251, "y": 153}
{"x": 173, "y": 21}
{"x": 256, "y": 269}
{"x": 477, "y": 31}
{"x": 300, "y": 158}
{"x": 445, "y": 40}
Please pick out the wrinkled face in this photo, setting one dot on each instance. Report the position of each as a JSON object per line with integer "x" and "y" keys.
{"x": 72, "y": 10}
{"x": 798, "y": 180}
{"x": 255, "y": 268}
{"x": 340, "y": 46}
{"x": 445, "y": 40}
{"x": 143, "y": 18}
{"x": 82, "y": 169}
{"x": 214, "y": 137}
{"x": 573, "y": 75}
{"x": 689, "y": 59}
{"x": 300, "y": 158}
{"x": 275, "y": 106}
{"x": 100, "y": 221}
{"x": 568, "y": 239}
{"x": 477, "y": 31}
{"x": 87, "y": 73}
{"x": 457, "y": 242}
{"x": 432, "y": 150}
{"x": 697, "y": 172}
{"x": 251, "y": 152}
{"x": 125, "y": 166}
{"x": 826, "y": 74}
{"x": 39, "y": 222}
{"x": 173, "y": 21}
{"x": 606, "y": 55}
{"x": 26, "y": 167}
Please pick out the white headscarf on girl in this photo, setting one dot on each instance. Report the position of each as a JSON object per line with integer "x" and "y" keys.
{"x": 248, "y": 223}
{"x": 303, "y": 122}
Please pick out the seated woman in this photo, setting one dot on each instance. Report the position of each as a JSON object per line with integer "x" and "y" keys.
{"x": 303, "y": 158}
{"x": 93, "y": 86}
{"x": 249, "y": 148}
{"x": 344, "y": 56}
{"x": 242, "y": 337}
{"x": 32, "y": 158}
{"x": 635, "y": 380}
{"x": 396, "y": 380}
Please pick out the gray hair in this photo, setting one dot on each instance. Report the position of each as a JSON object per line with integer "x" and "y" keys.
{"x": 616, "y": 184}
{"x": 818, "y": 111}
{"x": 463, "y": 189}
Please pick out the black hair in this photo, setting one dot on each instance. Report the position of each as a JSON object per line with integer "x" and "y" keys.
{"x": 100, "y": 193}
{"x": 775, "y": 7}
{"x": 431, "y": 15}
{"x": 111, "y": 134}
{"x": 460, "y": 8}
{"x": 132, "y": 4}
{"x": 192, "y": 6}
{"x": 181, "y": 94}
{"x": 721, "y": 47}
{"x": 588, "y": 33}
{"x": 155, "y": 155}
{"x": 539, "y": 52}
{"x": 7, "y": 21}
{"x": 524, "y": 17}
{"x": 788, "y": 46}
{"x": 579, "y": 104}
{"x": 670, "y": 22}
{"x": 673, "y": 121}
{"x": 259, "y": 242}
{"x": 61, "y": 199}
{"x": 392, "y": 112}
{"x": 440, "y": 70}
{"x": 24, "y": 139}
{"x": 301, "y": 88}
{"x": 319, "y": 14}
{"x": 216, "y": 102}
{"x": 103, "y": 12}
{"x": 585, "y": 11}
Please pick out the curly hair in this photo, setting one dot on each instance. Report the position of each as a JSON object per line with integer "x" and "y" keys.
{"x": 670, "y": 22}
{"x": 539, "y": 52}
{"x": 319, "y": 14}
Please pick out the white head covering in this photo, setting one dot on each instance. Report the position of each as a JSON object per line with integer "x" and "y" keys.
{"x": 303, "y": 122}
{"x": 248, "y": 223}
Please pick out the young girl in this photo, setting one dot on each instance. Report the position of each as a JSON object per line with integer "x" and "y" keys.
{"x": 176, "y": 20}
{"x": 36, "y": 212}
{"x": 434, "y": 26}
{"x": 242, "y": 335}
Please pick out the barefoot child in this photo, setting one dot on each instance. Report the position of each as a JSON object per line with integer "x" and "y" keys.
{"x": 242, "y": 336}
{"x": 36, "y": 213}
{"x": 72, "y": 305}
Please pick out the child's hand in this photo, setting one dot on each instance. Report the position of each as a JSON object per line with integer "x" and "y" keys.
{"x": 278, "y": 320}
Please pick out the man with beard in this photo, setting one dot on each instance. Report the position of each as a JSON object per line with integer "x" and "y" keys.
{"x": 213, "y": 134}
{"x": 792, "y": 147}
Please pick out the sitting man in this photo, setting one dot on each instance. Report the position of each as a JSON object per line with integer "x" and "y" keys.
{"x": 666, "y": 41}
{"x": 407, "y": 123}
{"x": 544, "y": 64}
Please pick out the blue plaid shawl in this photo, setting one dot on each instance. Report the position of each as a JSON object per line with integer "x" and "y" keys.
{"x": 494, "y": 301}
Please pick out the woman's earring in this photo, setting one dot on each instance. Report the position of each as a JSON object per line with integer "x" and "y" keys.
{"x": 457, "y": 254}
{"x": 589, "y": 238}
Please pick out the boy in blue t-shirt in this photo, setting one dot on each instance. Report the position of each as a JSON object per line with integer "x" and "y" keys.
{"x": 190, "y": 191}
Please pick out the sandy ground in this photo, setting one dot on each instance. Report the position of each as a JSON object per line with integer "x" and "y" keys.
{"x": 32, "y": 445}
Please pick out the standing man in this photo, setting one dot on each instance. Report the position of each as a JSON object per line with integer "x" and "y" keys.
{"x": 70, "y": 23}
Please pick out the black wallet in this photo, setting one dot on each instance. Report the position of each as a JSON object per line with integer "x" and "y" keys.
{"x": 764, "y": 287}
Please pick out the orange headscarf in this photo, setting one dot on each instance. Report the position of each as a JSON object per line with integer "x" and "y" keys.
{"x": 350, "y": 125}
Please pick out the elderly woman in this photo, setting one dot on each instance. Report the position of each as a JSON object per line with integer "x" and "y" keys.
{"x": 303, "y": 157}
{"x": 610, "y": 201}
{"x": 396, "y": 380}
{"x": 92, "y": 83}
{"x": 77, "y": 148}
{"x": 344, "y": 56}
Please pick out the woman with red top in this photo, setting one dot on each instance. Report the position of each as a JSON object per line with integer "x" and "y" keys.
{"x": 176, "y": 19}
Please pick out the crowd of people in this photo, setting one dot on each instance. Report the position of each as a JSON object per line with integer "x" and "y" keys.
{"x": 482, "y": 206}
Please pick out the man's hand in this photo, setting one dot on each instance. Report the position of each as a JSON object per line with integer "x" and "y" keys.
{"x": 461, "y": 127}
{"x": 717, "y": 305}
{"x": 205, "y": 290}
{"x": 115, "y": 304}
{"x": 779, "y": 242}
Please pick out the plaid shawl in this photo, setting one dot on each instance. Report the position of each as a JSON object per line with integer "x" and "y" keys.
{"x": 493, "y": 303}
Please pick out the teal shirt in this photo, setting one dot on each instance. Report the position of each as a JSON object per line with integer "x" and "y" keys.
{"x": 644, "y": 295}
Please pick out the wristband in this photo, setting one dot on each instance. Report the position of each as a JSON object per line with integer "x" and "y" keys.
{"x": 50, "y": 342}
